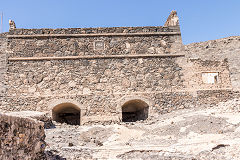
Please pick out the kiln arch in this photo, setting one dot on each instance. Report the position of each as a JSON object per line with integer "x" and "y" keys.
{"x": 67, "y": 113}
{"x": 135, "y": 110}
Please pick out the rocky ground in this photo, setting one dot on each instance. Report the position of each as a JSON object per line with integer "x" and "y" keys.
{"x": 212, "y": 133}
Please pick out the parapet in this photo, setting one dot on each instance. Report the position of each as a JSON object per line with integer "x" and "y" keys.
{"x": 85, "y": 32}
{"x": 88, "y": 43}
{"x": 170, "y": 29}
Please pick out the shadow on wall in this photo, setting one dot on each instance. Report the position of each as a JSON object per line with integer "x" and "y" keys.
{"x": 134, "y": 110}
{"x": 67, "y": 113}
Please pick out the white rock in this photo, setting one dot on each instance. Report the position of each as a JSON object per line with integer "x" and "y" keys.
{"x": 32, "y": 89}
{"x": 86, "y": 91}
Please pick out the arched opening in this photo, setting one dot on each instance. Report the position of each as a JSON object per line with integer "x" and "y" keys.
{"x": 66, "y": 113}
{"x": 134, "y": 110}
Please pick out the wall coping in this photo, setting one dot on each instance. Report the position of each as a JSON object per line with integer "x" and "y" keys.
{"x": 94, "y": 57}
{"x": 93, "y": 35}
{"x": 132, "y": 93}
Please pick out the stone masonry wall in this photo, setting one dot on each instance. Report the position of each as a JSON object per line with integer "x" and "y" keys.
{"x": 194, "y": 69}
{"x": 156, "y": 43}
{"x": 21, "y": 138}
{"x": 100, "y": 84}
{"x": 226, "y": 48}
{"x": 58, "y": 47}
{"x": 161, "y": 76}
{"x": 104, "y": 78}
{"x": 95, "y": 30}
{"x": 3, "y": 67}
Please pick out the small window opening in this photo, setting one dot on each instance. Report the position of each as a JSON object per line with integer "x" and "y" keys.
{"x": 210, "y": 78}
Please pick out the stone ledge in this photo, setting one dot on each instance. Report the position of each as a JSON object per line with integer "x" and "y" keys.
{"x": 93, "y": 35}
{"x": 189, "y": 91}
{"x": 94, "y": 57}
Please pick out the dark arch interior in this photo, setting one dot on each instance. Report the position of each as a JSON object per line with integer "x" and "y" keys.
{"x": 134, "y": 110}
{"x": 66, "y": 113}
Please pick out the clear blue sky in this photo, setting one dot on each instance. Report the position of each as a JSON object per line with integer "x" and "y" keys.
{"x": 200, "y": 20}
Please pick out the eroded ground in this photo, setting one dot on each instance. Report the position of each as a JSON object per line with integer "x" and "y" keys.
{"x": 212, "y": 133}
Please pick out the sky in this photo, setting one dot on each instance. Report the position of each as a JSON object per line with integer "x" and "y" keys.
{"x": 200, "y": 20}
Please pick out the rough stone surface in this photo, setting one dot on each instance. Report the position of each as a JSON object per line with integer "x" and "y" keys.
{"x": 97, "y": 70}
{"x": 187, "y": 134}
{"x": 93, "y": 30}
{"x": 226, "y": 48}
{"x": 101, "y": 85}
{"x": 83, "y": 46}
{"x": 188, "y": 95}
{"x": 40, "y": 116}
{"x": 21, "y": 138}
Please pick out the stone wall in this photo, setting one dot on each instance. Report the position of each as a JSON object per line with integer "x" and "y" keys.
{"x": 97, "y": 76}
{"x": 90, "y": 46}
{"x": 99, "y": 69}
{"x": 97, "y": 44}
{"x": 21, "y": 138}
{"x": 226, "y": 48}
{"x": 194, "y": 69}
{"x": 64, "y": 31}
{"x": 101, "y": 86}
{"x": 3, "y": 67}
{"x": 95, "y": 83}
